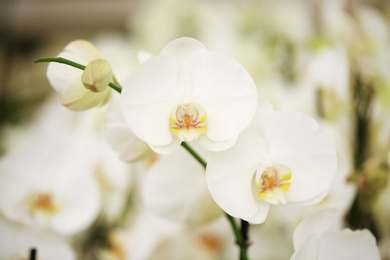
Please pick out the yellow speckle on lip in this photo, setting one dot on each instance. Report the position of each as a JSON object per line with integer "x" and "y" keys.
{"x": 274, "y": 183}
{"x": 188, "y": 121}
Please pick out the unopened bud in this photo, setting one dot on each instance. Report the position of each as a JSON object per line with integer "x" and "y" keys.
{"x": 97, "y": 75}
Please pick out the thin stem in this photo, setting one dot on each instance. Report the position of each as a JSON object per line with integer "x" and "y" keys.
{"x": 245, "y": 239}
{"x": 235, "y": 228}
{"x": 240, "y": 235}
{"x": 75, "y": 65}
{"x": 61, "y": 60}
{"x": 194, "y": 154}
{"x": 115, "y": 87}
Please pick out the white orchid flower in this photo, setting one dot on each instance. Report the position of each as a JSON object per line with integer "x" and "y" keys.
{"x": 48, "y": 178}
{"x": 283, "y": 158}
{"x": 188, "y": 94}
{"x": 67, "y": 80}
{"x": 315, "y": 239}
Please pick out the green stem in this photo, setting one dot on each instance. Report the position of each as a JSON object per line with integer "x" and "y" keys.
{"x": 194, "y": 154}
{"x": 75, "y": 65}
{"x": 240, "y": 235}
{"x": 360, "y": 214}
{"x": 245, "y": 239}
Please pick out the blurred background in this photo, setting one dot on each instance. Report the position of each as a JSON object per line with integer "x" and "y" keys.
{"x": 35, "y": 28}
{"x": 329, "y": 59}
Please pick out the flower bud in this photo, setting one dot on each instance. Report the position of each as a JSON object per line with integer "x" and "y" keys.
{"x": 97, "y": 75}
{"x": 66, "y": 79}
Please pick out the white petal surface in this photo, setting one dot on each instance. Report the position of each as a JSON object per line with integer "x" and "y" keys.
{"x": 229, "y": 176}
{"x": 309, "y": 250}
{"x": 175, "y": 189}
{"x": 227, "y": 93}
{"x": 348, "y": 245}
{"x": 147, "y": 99}
{"x": 210, "y": 145}
{"x": 169, "y": 148}
{"x": 83, "y": 49}
{"x": 183, "y": 48}
{"x": 316, "y": 223}
{"x": 121, "y": 138}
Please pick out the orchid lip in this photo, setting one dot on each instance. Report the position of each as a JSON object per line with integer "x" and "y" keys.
{"x": 188, "y": 121}
{"x": 274, "y": 183}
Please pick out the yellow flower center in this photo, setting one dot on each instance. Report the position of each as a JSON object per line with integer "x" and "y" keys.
{"x": 43, "y": 203}
{"x": 188, "y": 121}
{"x": 274, "y": 184}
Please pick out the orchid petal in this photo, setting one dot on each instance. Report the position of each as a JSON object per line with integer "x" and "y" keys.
{"x": 76, "y": 98}
{"x": 183, "y": 48}
{"x": 121, "y": 138}
{"x": 147, "y": 100}
{"x": 227, "y": 93}
{"x": 230, "y": 181}
{"x": 83, "y": 49}
{"x": 169, "y": 148}
{"x": 317, "y": 222}
{"x": 174, "y": 189}
{"x": 309, "y": 250}
{"x": 348, "y": 245}
{"x": 210, "y": 145}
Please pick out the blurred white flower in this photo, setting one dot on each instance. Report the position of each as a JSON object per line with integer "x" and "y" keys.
{"x": 143, "y": 236}
{"x": 374, "y": 32}
{"x": 117, "y": 181}
{"x": 151, "y": 237}
{"x": 66, "y": 80}
{"x": 283, "y": 158}
{"x": 189, "y": 94}
{"x": 48, "y": 177}
{"x": 328, "y": 68}
{"x": 283, "y": 15}
{"x": 213, "y": 241}
{"x": 174, "y": 189}
{"x": 336, "y": 23}
{"x": 314, "y": 238}
{"x": 17, "y": 241}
